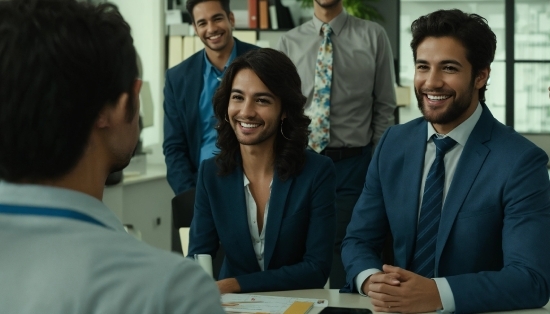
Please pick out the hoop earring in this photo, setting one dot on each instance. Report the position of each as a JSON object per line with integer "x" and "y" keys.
{"x": 282, "y": 122}
{"x": 225, "y": 118}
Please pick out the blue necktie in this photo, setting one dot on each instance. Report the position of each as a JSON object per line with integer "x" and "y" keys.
{"x": 319, "y": 110}
{"x": 430, "y": 212}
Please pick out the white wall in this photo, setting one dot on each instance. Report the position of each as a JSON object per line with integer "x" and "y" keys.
{"x": 146, "y": 18}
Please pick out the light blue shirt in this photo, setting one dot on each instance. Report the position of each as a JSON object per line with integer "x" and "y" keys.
{"x": 460, "y": 134}
{"x": 212, "y": 78}
{"x": 53, "y": 264}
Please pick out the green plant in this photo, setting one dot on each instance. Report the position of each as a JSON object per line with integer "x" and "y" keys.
{"x": 357, "y": 8}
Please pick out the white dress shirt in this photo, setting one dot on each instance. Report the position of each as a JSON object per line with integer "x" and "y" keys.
{"x": 258, "y": 239}
{"x": 460, "y": 134}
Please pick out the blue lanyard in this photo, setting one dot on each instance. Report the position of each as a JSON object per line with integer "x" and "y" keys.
{"x": 51, "y": 212}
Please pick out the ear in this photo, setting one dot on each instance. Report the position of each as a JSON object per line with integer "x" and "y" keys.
{"x": 232, "y": 19}
{"x": 482, "y": 77}
{"x": 110, "y": 112}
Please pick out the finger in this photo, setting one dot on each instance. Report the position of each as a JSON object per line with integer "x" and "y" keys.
{"x": 403, "y": 273}
{"x": 390, "y": 309}
{"x": 381, "y": 298}
{"x": 390, "y": 279}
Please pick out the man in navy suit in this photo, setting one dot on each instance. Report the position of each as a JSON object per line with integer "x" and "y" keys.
{"x": 189, "y": 134}
{"x": 486, "y": 246}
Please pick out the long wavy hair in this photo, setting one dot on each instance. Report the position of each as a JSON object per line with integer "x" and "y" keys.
{"x": 279, "y": 75}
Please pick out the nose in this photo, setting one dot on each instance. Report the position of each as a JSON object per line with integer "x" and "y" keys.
{"x": 433, "y": 80}
{"x": 211, "y": 27}
{"x": 248, "y": 109}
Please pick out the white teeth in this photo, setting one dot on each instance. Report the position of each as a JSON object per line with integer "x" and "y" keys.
{"x": 249, "y": 125}
{"x": 215, "y": 37}
{"x": 433, "y": 97}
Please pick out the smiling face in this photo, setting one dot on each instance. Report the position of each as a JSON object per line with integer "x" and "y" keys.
{"x": 447, "y": 93}
{"x": 213, "y": 25}
{"x": 254, "y": 111}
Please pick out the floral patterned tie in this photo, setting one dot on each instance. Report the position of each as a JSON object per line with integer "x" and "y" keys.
{"x": 319, "y": 110}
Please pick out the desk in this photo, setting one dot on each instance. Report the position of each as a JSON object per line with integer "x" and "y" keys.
{"x": 354, "y": 300}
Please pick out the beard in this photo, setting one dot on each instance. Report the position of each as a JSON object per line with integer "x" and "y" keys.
{"x": 452, "y": 112}
{"x": 329, "y": 4}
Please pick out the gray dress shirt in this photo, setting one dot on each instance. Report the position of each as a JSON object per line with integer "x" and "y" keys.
{"x": 362, "y": 91}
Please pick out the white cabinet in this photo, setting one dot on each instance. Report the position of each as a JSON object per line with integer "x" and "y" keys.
{"x": 144, "y": 201}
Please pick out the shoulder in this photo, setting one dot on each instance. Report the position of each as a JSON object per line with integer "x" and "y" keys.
{"x": 305, "y": 29}
{"x": 371, "y": 26}
{"x": 316, "y": 163}
{"x": 243, "y": 47}
{"x": 209, "y": 166}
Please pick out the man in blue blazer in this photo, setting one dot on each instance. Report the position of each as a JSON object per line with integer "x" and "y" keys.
{"x": 189, "y": 135}
{"x": 265, "y": 199}
{"x": 485, "y": 244}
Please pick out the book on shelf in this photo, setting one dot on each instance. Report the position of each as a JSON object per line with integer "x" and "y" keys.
{"x": 273, "y": 17}
{"x": 264, "y": 14}
{"x": 253, "y": 13}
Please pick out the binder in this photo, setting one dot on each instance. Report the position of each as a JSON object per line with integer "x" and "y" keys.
{"x": 188, "y": 46}
{"x": 175, "y": 50}
{"x": 273, "y": 17}
{"x": 264, "y": 14}
{"x": 253, "y": 13}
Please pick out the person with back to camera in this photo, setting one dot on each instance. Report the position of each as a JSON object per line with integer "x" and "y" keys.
{"x": 69, "y": 111}
{"x": 265, "y": 199}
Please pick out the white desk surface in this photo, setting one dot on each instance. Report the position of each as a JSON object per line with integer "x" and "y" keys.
{"x": 355, "y": 300}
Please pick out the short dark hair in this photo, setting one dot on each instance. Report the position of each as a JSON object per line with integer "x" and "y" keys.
{"x": 61, "y": 63}
{"x": 190, "y": 5}
{"x": 471, "y": 30}
{"x": 279, "y": 75}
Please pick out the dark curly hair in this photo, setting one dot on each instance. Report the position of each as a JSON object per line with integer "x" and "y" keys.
{"x": 471, "y": 30}
{"x": 279, "y": 74}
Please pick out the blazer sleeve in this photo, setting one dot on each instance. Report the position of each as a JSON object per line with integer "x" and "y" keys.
{"x": 524, "y": 280}
{"x": 180, "y": 174}
{"x": 203, "y": 236}
{"x": 314, "y": 269}
{"x": 367, "y": 230}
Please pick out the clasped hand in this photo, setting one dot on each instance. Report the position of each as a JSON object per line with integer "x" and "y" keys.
{"x": 399, "y": 290}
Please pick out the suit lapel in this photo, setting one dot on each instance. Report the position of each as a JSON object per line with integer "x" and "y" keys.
{"x": 238, "y": 217}
{"x": 193, "y": 91}
{"x": 412, "y": 170}
{"x": 473, "y": 156}
{"x": 277, "y": 201}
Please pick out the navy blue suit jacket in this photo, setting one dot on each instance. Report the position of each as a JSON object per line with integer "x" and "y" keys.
{"x": 182, "y": 123}
{"x": 299, "y": 231}
{"x": 493, "y": 243}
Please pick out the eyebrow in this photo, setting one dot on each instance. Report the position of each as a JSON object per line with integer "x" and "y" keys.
{"x": 215, "y": 16}
{"x": 450, "y": 61}
{"x": 267, "y": 94}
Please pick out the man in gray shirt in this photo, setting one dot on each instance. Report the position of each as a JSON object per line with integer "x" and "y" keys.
{"x": 69, "y": 114}
{"x": 362, "y": 99}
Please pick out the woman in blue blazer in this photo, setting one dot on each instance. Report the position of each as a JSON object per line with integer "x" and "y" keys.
{"x": 265, "y": 199}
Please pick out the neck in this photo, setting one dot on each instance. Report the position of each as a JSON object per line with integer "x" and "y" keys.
{"x": 219, "y": 58}
{"x": 257, "y": 163}
{"x": 327, "y": 14}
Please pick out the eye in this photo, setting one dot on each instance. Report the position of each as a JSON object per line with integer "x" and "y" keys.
{"x": 450, "y": 69}
{"x": 236, "y": 97}
{"x": 421, "y": 67}
{"x": 263, "y": 100}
